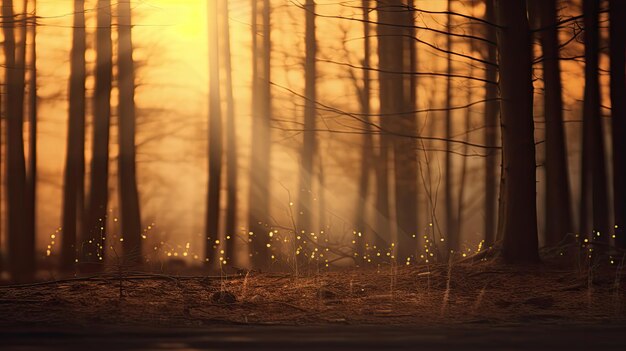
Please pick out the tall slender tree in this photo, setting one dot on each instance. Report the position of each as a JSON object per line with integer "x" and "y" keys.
{"x": 405, "y": 167}
{"x": 451, "y": 221}
{"x": 95, "y": 228}
{"x": 20, "y": 246}
{"x": 395, "y": 119}
{"x": 492, "y": 110}
{"x": 258, "y": 216}
{"x": 518, "y": 206}
{"x": 305, "y": 195}
{"x": 216, "y": 149}
{"x": 231, "y": 141}
{"x": 367, "y": 143}
{"x": 617, "y": 18}
{"x": 557, "y": 206}
{"x": 74, "y": 176}
{"x": 31, "y": 176}
{"x": 130, "y": 213}
{"x": 594, "y": 195}
{"x": 390, "y": 85}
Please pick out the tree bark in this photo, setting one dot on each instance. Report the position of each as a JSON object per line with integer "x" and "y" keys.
{"x": 215, "y": 144}
{"x": 394, "y": 54}
{"x": 20, "y": 251}
{"x": 130, "y": 214}
{"x": 258, "y": 216}
{"x": 31, "y": 176}
{"x": 593, "y": 164}
{"x": 405, "y": 154}
{"x": 617, "y": 18}
{"x": 305, "y": 194}
{"x": 231, "y": 143}
{"x": 367, "y": 146}
{"x": 518, "y": 204}
{"x": 95, "y": 229}
{"x": 492, "y": 110}
{"x": 558, "y": 204}
{"x": 451, "y": 221}
{"x": 73, "y": 191}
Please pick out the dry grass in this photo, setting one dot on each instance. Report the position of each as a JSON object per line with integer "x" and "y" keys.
{"x": 479, "y": 293}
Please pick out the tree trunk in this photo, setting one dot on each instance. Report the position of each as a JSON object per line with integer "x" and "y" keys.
{"x": 593, "y": 165}
{"x": 367, "y": 143}
{"x": 231, "y": 143}
{"x": 617, "y": 17}
{"x": 405, "y": 149}
{"x": 258, "y": 216}
{"x": 95, "y": 229}
{"x": 31, "y": 177}
{"x": 491, "y": 131}
{"x": 305, "y": 194}
{"x": 394, "y": 54}
{"x": 20, "y": 251}
{"x": 451, "y": 222}
{"x": 75, "y": 156}
{"x": 557, "y": 206}
{"x": 519, "y": 221}
{"x": 129, "y": 195}
{"x": 390, "y": 85}
{"x": 215, "y": 143}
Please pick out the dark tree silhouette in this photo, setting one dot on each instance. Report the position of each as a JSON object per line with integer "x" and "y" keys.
{"x": 31, "y": 175}
{"x": 305, "y": 195}
{"x": 517, "y": 205}
{"x": 492, "y": 111}
{"x": 451, "y": 220}
{"x": 367, "y": 148}
{"x": 130, "y": 214}
{"x": 593, "y": 165}
{"x": 216, "y": 149}
{"x": 617, "y": 17}
{"x": 405, "y": 161}
{"x": 231, "y": 141}
{"x": 95, "y": 228}
{"x": 20, "y": 244}
{"x": 558, "y": 214}
{"x": 74, "y": 176}
{"x": 392, "y": 58}
{"x": 261, "y": 117}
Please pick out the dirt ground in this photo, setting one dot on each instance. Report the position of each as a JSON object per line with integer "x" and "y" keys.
{"x": 483, "y": 295}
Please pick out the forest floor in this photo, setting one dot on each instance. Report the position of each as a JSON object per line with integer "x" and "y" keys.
{"x": 470, "y": 299}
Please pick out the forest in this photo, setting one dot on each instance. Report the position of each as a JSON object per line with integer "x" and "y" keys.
{"x": 351, "y": 173}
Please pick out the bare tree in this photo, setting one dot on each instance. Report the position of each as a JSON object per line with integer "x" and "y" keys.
{"x": 593, "y": 165}
{"x": 451, "y": 220}
{"x": 367, "y": 148}
{"x": 20, "y": 244}
{"x": 558, "y": 206}
{"x": 130, "y": 215}
{"x": 309, "y": 147}
{"x": 74, "y": 176}
{"x": 261, "y": 117}
{"x": 215, "y": 140}
{"x": 491, "y": 130}
{"x": 518, "y": 207}
{"x": 231, "y": 142}
{"x": 95, "y": 228}
{"x": 31, "y": 175}
{"x": 617, "y": 17}
{"x": 392, "y": 58}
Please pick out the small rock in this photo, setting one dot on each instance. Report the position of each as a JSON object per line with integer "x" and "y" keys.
{"x": 223, "y": 297}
